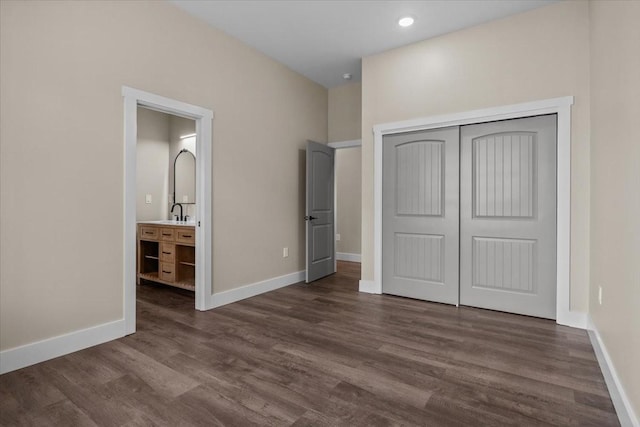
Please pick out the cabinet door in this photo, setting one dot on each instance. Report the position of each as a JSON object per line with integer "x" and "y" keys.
{"x": 167, "y": 252}
{"x": 186, "y": 235}
{"x": 167, "y": 272}
{"x": 148, "y": 232}
{"x": 167, "y": 234}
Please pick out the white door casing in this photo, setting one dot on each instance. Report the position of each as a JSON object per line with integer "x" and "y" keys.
{"x": 203, "y": 118}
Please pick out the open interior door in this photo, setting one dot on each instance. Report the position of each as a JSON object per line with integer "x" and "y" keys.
{"x": 320, "y": 211}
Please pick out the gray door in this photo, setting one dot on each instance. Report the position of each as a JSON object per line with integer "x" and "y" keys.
{"x": 420, "y": 215}
{"x": 320, "y": 211}
{"x": 508, "y": 216}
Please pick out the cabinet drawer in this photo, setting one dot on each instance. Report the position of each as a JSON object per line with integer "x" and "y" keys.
{"x": 148, "y": 233}
{"x": 167, "y": 272}
{"x": 186, "y": 236}
{"x": 167, "y": 234}
{"x": 167, "y": 252}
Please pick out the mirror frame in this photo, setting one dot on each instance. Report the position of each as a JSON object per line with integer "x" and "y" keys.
{"x": 184, "y": 150}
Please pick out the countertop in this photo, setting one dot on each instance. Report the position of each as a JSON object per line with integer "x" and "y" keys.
{"x": 170, "y": 222}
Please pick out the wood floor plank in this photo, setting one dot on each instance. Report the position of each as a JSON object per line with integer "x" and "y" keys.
{"x": 63, "y": 413}
{"x": 319, "y": 354}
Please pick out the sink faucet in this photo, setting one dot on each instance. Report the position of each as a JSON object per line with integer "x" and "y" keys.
{"x": 180, "y": 218}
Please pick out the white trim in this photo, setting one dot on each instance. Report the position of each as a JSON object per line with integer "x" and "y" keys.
{"x": 368, "y": 286}
{"x": 227, "y": 297}
{"x": 40, "y": 351}
{"x": 345, "y": 256}
{"x": 561, "y": 107}
{"x": 346, "y": 144}
{"x": 621, "y": 401}
{"x": 203, "y": 117}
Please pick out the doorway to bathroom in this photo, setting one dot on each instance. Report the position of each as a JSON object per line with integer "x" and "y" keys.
{"x": 165, "y": 204}
{"x": 167, "y": 199}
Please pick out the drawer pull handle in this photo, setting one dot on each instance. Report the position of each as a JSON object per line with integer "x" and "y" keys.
{"x": 168, "y": 253}
{"x": 148, "y": 232}
{"x": 187, "y": 236}
{"x": 166, "y": 234}
{"x": 166, "y": 272}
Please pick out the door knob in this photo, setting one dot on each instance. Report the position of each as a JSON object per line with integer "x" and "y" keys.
{"x": 310, "y": 218}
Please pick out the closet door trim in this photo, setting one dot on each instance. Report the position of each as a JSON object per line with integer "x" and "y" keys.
{"x": 561, "y": 107}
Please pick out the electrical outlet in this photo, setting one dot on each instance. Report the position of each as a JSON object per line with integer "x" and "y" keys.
{"x": 147, "y": 199}
{"x": 338, "y": 237}
{"x": 285, "y": 252}
{"x": 600, "y": 294}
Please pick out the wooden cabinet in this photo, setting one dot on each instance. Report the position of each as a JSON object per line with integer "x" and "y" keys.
{"x": 167, "y": 254}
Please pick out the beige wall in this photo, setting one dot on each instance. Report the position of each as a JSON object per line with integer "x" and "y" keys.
{"x": 345, "y": 112}
{"x": 62, "y": 66}
{"x": 152, "y": 158}
{"x": 536, "y": 55}
{"x": 615, "y": 185}
{"x": 345, "y": 124}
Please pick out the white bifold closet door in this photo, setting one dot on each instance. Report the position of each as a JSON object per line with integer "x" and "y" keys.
{"x": 508, "y": 216}
{"x": 420, "y": 215}
{"x": 469, "y": 215}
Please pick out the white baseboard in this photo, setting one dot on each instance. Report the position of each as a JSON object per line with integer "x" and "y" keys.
{"x": 368, "y": 286}
{"x": 40, "y": 351}
{"x": 227, "y": 297}
{"x": 621, "y": 402}
{"x": 575, "y": 319}
{"x": 345, "y": 256}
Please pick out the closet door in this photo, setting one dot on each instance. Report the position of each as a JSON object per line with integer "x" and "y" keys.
{"x": 508, "y": 216}
{"x": 420, "y": 215}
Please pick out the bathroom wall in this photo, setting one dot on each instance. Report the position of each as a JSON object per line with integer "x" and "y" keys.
{"x": 344, "y": 116}
{"x": 179, "y": 126}
{"x": 152, "y": 158}
{"x": 62, "y": 68}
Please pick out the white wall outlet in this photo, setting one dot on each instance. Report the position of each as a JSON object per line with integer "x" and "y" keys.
{"x": 185, "y": 199}
{"x": 285, "y": 252}
{"x": 338, "y": 237}
{"x": 147, "y": 199}
{"x": 600, "y": 294}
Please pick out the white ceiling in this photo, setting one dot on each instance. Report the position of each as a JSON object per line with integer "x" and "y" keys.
{"x": 324, "y": 39}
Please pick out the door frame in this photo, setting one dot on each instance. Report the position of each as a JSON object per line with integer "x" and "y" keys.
{"x": 134, "y": 98}
{"x": 339, "y": 145}
{"x": 560, "y": 106}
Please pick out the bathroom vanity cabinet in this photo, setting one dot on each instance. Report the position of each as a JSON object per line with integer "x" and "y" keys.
{"x": 167, "y": 254}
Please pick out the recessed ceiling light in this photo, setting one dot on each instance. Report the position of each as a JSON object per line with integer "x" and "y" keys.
{"x": 347, "y": 76}
{"x": 407, "y": 21}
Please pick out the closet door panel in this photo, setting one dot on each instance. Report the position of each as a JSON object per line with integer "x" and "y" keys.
{"x": 508, "y": 216}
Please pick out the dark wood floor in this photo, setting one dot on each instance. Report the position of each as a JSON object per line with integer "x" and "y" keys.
{"x": 320, "y": 354}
